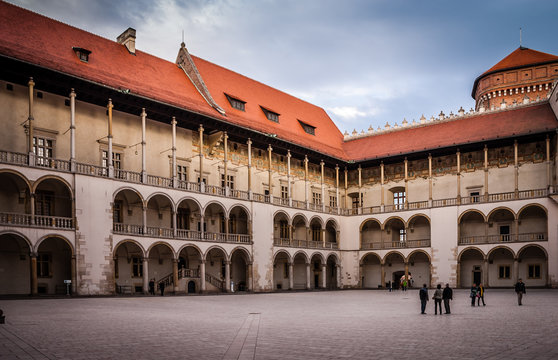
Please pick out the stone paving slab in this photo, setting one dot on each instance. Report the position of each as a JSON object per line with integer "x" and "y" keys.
{"x": 359, "y": 324}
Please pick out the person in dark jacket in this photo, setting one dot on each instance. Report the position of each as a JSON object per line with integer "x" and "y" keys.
{"x": 423, "y": 295}
{"x": 447, "y": 295}
{"x": 152, "y": 286}
{"x": 480, "y": 295}
{"x": 473, "y": 295}
{"x": 520, "y": 290}
{"x": 162, "y": 288}
{"x": 438, "y": 294}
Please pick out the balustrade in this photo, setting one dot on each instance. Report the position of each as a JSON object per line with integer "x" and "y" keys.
{"x": 502, "y": 238}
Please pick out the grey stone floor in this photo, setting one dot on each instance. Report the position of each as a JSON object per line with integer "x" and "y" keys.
{"x": 314, "y": 325}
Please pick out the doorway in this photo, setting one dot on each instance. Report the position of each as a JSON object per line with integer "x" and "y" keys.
{"x": 396, "y": 279}
{"x": 191, "y": 287}
{"x": 477, "y": 275}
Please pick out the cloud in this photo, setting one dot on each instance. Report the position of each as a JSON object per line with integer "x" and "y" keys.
{"x": 347, "y": 112}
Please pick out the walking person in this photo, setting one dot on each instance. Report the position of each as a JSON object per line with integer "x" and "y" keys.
{"x": 438, "y": 299}
{"x": 405, "y": 285}
{"x": 389, "y": 286}
{"x": 520, "y": 290}
{"x": 152, "y": 287}
{"x": 480, "y": 295}
{"x": 162, "y": 288}
{"x": 423, "y": 295}
{"x": 473, "y": 295}
{"x": 447, "y": 295}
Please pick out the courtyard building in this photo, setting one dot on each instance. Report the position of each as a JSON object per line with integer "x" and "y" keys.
{"x": 118, "y": 168}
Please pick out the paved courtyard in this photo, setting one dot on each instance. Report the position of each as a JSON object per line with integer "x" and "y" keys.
{"x": 356, "y": 324}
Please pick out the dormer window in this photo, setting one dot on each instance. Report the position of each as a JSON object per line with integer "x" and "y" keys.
{"x": 309, "y": 129}
{"x": 270, "y": 115}
{"x": 236, "y": 103}
{"x": 82, "y": 54}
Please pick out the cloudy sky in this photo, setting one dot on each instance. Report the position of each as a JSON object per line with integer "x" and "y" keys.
{"x": 366, "y": 62}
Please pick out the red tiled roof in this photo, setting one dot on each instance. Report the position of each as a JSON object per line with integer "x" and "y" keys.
{"x": 483, "y": 127}
{"x": 46, "y": 42}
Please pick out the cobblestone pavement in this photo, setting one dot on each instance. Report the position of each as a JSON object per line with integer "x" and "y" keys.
{"x": 360, "y": 324}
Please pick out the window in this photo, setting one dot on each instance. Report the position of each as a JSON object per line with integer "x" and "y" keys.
{"x": 117, "y": 212}
{"x": 316, "y": 198}
{"x": 182, "y": 172}
{"x": 309, "y": 129}
{"x": 402, "y": 235}
{"x": 283, "y": 229}
{"x": 137, "y": 266}
{"x": 332, "y": 201}
{"x": 534, "y": 271}
{"x": 504, "y": 233}
{"x": 82, "y": 54}
{"x": 204, "y": 180}
{"x": 183, "y": 219}
{"x": 503, "y": 272}
{"x": 271, "y": 115}
{"x": 44, "y": 267}
{"x": 43, "y": 148}
{"x": 44, "y": 203}
{"x": 232, "y": 224}
{"x": 230, "y": 181}
{"x": 316, "y": 233}
{"x": 284, "y": 192}
{"x": 475, "y": 196}
{"x": 237, "y": 104}
{"x": 399, "y": 199}
{"x": 116, "y": 159}
{"x": 356, "y": 201}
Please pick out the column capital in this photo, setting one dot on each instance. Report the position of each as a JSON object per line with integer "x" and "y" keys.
{"x": 269, "y": 148}
{"x": 200, "y": 128}
{"x": 173, "y": 121}
{"x": 249, "y": 141}
{"x": 109, "y": 105}
{"x": 289, "y": 153}
{"x": 31, "y": 82}
{"x": 72, "y": 93}
{"x": 143, "y": 113}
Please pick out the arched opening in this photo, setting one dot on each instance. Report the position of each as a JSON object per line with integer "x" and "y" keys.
{"x": 128, "y": 268}
{"x": 239, "y": 270}
{"x": 395, "y": 234}
{"x": 419, "y": 269}
{"x": 316, "y": 232}
{"x": 53, "y": 204}
{"x": 214, "y": 222}
{"x": 238, "y": 225}
{"x": 215, "y": 268}
{"x": 15, "y": 200}
{"x": 371, "y": 235}
{"x": 281, "y": 235}
{"x": 418, "y": 234}
{"x": 331, "y": 273}
{"x": 532, "y": 224}
{"x": 189, "y": 263}
{"x": 54, "y": 265}
{"x": 317, "y": 272}
{"x": 281, "y": 271}
{"x": 188, "y": 217}
{"x": 160, "y": 266}
{"x": 533, "y": 266}
{"x": 331, "y": 235}
{"x": 500, "y": 268}
{"x": 159, "y": 217}
{"x": 127, "y": 213}
{"x": 470, "y": 267}
{"x": 15, "y": 263}
{"x": 472, "y": 228}
{"x": 299, "y": 271}
{"x": 371, "y": 271}
{"x": 300, "y": 232}
{"x": 501, "y": 226}
{"x": 394, "y": 269}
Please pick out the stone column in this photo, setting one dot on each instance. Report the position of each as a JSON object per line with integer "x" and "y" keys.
{"x": 145, "y": 275}
{"x": 359, "y": 190}
{"x": 407, "y": 272}
{"x": 175, "y": 274}
{"x": 289, "y": 194}
{"x": 202, "y": 227}
{"x": 202, "y": 274}
{"x": 290, "y": 234}
{"x": 306, "y": 180}
{"x": 458, "y": 154}
{"x": 109, "y": 137}
{"x": 338, "y": 275}
{"x": 227, "y": 276}
{"x": 269, "y": 150}
{"x": 225, "y": 161}
{"x": 322, "y": 184}
{"x": 485, "y": 272}
{"x": 383, "y": 274}
{"x": 516, "y": 169}
{"x": 337, "y": 205}
{"x": 324, "y": 276}
{"x": 406, "y": 204}
{"x": 515, "y": 275}
{"x": 173, "y": 149}
{"x": 323, "y": 237}
{"x": 249, "y": 143}
{"x": 227, "y": 228}
{"x": 308, "y": 287}
{"x": 174, "y": 226}
{"x": 73, "y": 274}
{"x": 30, "y": 119}
{"x": 144, "y": 217}
{"x": 485, "y": 173}
{"x": 34, "y": 281}
{"x": 382, "y": 203}
{"x": 72, "y": 132}
{"x": 202, "y": 186}
{"x": 458, "y": 275}
{"x": 250, "y": 277}
{"x": 307, "y": 233}
{"x": 291, "y": 276}
{"x": 143, "y": 145}
{"x": 548, "y": 172}
{"x": 346, "y": 186}
{"x": 429, "y": 180}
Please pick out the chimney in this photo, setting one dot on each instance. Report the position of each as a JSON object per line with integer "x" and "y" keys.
{"x": 128, "y": 39}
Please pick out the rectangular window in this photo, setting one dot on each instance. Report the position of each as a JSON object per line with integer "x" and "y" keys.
{"x": 503, "y": 272}
{"x": 399, "y": 200}
{"x": 283, "y": 229}
{"x": 475, "y": 196}
{"x": 316, "y": 198}
{"x": 333, "y": 201}
{"x": 43, "y": 148}
{"x": 534, "y": 271}
{"x": 316, "y": 232}
{"x": 356, "y": 202}
{"x": 402, "y": 235}
{"x": 182, "y": 172}
{"x": 116, "y": 159}
{"x": 284, "y": 192}
{"x": 44, "y": 267}
{"x": 183, "y": 219}
{"x": 44, "y": 203}
{"x": 230, "y": 181}
{"x": 137, "y": 266}
{"x": 117, "y": 212}
{"x": 504, "y": 233}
